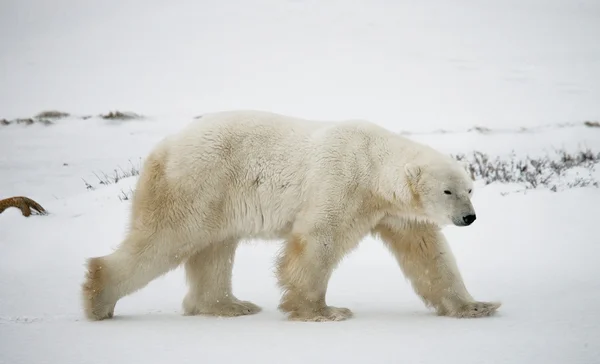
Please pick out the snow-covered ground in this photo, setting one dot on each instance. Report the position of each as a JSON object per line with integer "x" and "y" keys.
{"x": 411, "y": 66}
{"x": 534, "y": 251}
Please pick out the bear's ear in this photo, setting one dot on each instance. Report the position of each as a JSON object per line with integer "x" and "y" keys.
{"x": 413, "y": 171}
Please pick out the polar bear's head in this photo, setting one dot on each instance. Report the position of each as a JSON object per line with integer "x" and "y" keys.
{"x": 443, "y": 190}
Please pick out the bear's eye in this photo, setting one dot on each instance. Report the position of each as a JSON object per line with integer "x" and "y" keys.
{"x": 447, "y": 192}
{"x": 470, "y": 191}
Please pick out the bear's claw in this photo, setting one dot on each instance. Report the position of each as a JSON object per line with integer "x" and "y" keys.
{"x": 472, "y": 310}
{"x": 328, "y": 313}
{"x": 223, "y": 309}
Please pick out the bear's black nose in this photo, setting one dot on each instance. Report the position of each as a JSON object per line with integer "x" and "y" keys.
{"x": 468, "y": 219}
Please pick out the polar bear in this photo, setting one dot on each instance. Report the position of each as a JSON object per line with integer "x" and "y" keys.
{"x": 319, "y": 186}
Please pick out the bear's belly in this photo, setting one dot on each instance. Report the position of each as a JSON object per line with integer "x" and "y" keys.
{"x": 257, "y": 215}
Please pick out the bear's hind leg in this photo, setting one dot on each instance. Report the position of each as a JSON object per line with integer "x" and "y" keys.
{"x": 427, "y": 261}
{"x": 303, "y": 272}
{"x": 208, "y": 274}
{"x": 131, "y": 267}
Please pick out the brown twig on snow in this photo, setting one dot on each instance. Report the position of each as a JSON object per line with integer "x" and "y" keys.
{"x": 24, "y": 204}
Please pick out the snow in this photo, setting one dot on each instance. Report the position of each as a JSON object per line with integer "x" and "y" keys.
{"x": 533, "y": 251}
{"x": 411, "y": 66}
{"x": 426, "y": 64}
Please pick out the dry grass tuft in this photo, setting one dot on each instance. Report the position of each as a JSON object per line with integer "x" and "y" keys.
{"x": 120, "y": 115}
{"x": 31, "y": 121}
{"x": 126, "y": 195}
{"x": 592, "y": 124}
{"x": 26, "y": 121}
{"x": 118, "y": 174}
{"x": 52, "y": 114}
{"x": 552, "y": 172}
{"x": 480, "y": 129}
{"x": 44, "y": 118}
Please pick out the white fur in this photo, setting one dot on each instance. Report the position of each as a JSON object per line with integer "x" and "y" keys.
{"x": 320, "y": 186}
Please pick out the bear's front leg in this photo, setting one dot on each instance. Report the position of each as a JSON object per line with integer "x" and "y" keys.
{"x": 304, "y": 269}
{"x": 427, "y": 261}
